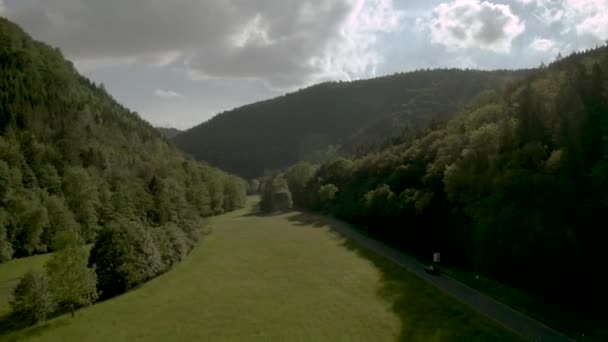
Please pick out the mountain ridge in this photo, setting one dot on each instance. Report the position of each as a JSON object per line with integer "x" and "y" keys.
{"x": 277, "y": 132}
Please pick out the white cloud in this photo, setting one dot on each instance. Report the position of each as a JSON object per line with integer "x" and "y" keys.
{"x": 546, "y": 11}
{"x": 283, "y": 43}
{"x": 168, "y": 94}
{"x": 587, "y": 17}
{"x": 463, "y": 24}
{"x": 255, "y": 32}
{"x": 591, "y": 17}
{"x": 543, "y": 45}
{"x": 353, "y": 53}
{"x": 2, "y": 7}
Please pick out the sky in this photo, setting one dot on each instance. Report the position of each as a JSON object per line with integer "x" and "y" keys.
{"x": 178, "y": 63}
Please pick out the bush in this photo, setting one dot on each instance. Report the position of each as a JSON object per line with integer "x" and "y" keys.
{"x": 276, "y": 195}
{"x": 124, "y": 256}
{"x": 73, "y": 283}
{"x": 282, "y": 201}
{"x": 32, "y": 299}
{"x": 327, "y": 195}
{"x": 172, "y": 243}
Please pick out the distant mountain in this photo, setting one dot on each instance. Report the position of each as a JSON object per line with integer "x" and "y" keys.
{"x": 276, "y": 133}
{"x": 168, "y": 132}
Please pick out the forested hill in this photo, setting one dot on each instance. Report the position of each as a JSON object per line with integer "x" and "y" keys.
{"x": 276, "y": 133}
{"x": 516, "y": 186}
{"x": 168, "y": 132}
{"x": 72, "y": 159}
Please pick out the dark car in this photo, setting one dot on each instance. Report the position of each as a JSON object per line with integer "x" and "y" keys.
{"x": 434, "y": 270}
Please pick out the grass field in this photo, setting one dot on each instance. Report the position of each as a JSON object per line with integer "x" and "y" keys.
{"x": 275, "y": 278}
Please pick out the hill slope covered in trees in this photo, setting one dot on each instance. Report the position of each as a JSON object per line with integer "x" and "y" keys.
{"x": 73, "y": 160}
{"x": 168, "y": 132}
{"x": 276, "y": 133}
{"x": 515, "y": 187}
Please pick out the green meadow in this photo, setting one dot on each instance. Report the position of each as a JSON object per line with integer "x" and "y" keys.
{"x": 268, "y": 278}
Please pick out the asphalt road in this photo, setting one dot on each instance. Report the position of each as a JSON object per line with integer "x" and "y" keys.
{"x": 504, "y": 315}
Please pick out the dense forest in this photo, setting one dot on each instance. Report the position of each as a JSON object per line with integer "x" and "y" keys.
{"x": 78, "y": 169}
{"x": 355, "y": 116}
{"x": 514, "y": 186}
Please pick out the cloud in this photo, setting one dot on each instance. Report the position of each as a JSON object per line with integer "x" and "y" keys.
{"x": 353, "y": 53}
{"x": 543, "y": 45}
{"x": 464, "y": 24}
{"x": 2, "y": 7}
{"x": 168, "y": 94}
{"x": 88, "y": 65}
{"x": 585, "y": 17}
{"x": 545, "y": 10}
{"x": 591, "y": 17}
{"x": 283, "y": 43}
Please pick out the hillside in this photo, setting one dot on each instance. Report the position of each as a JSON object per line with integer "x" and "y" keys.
{"x": 72, "y": 160}
{"x": 515, "y": 187}
{"x": 276, "y": 133}
{"x": 168, "y": 132}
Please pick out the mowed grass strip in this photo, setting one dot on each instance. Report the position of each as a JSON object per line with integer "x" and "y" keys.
{"x": 275, "y": 278}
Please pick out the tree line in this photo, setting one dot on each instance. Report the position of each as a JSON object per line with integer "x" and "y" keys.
{"x": 74, "y": 162}
{"x": 515, "y": 186}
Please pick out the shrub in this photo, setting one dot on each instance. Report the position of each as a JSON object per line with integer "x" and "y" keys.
{"x": 32, "y": 299}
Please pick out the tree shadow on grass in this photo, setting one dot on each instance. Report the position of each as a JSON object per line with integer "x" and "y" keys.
{"x": 426, "y": 313}
{"x": 257, "y": 212}
{"x": 11, "y": 326}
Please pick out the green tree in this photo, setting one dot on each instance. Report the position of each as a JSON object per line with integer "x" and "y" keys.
{"x": 27, "y": 220}
{"x": 73, "y": 283}
{"x": 297, "y": 178}
{"x": 254, "y": 187}
{"x": 172, "y": 243}
{"x": 61, "y": 219}
{"x": 234, "y": 193}
{"x": 32, "y": 298}
{"x": 276, "y": 195}
{"x": 6, "y": 248}
{"x": 123, "y": 256}
{"x": 80, "y": 192}
{"x": 327, "y": 193}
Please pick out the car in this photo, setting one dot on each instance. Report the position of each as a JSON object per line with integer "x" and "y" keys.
{"x": 433, "y": 270}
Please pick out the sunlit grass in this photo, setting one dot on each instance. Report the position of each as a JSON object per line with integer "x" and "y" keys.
{"x": 275, "y": 278}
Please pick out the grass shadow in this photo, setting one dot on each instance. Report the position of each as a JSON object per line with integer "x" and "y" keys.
{"x": 13, "y": 328}
{"x": 569, "y": 321}
{"x": 319, "y": 220}
{"x": 257, "y": 212}
{"x": 302, "y": 218}
{"x": 10, "y": 323}
{"x": 425, "y": 313}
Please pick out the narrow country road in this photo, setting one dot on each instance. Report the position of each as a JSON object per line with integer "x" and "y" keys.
{"x": 507, "y": 317}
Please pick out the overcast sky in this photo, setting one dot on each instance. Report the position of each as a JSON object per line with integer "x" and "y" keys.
{"x": 180, "y": 62}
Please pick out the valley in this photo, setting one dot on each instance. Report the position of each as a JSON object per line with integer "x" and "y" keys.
{"x": 278, "y": 277}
